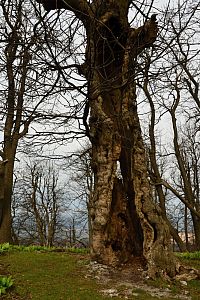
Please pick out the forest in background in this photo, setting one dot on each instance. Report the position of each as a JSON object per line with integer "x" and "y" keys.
{"x": 46, "y": 173}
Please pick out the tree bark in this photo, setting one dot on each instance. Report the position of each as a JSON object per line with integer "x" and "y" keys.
{"x": 6, "y": 184}
{"x": 5, "y": 201}
{"x": 196, "y": 225}
{"x": 125, "y": 223}
{"x": 124, "y": 220}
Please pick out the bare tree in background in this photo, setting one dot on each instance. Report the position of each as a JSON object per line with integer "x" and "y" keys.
{"x": 154, "y": 170}
{"x": 29, "y": 94}
{"x": 16, "y": 44}
{"x": 82, "y": 183}
{"x": 39, "y": 200}
{"x": 176, "y": 71}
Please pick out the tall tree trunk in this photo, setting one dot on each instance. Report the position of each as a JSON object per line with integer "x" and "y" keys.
{"x": 186, "y": 228}
{"x": 6, "y": 184}
{"x": 124, "y": 220}
{"x": 6, "y": 180}
{"x": 196, "y": 225}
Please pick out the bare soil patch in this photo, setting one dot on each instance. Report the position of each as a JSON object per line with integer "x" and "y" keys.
{"x": 128, "y": 280}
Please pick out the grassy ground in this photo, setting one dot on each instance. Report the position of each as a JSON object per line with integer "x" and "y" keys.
{"x": 41, "y": 275}
{"x": 49, "y": 276}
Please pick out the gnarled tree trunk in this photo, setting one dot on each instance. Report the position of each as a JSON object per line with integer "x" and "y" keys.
{"x": 125, "y": 222}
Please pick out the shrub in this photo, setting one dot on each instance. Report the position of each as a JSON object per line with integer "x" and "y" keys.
{"x": 4, "y": 247}
{"x": 78, "y": 250}
{"x": 190, "y": 255}
{"x": 5, "y": 283}
{"x": 8, "y": 247}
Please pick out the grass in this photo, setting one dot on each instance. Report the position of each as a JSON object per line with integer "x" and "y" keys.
{"x": 50, "y": 276}
{"x": 9, "y": 247}
{"x": 189, "y": 255}
{"x": 42, "y": 274}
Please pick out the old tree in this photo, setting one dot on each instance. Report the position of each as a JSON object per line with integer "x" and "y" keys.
{"x": 125, "y": 223}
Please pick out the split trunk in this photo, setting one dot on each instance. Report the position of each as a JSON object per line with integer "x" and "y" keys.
{"x": 124, "y": 221}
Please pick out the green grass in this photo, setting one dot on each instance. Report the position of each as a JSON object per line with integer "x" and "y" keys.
{"x": 77, "y": 250}
{"x": 6, "y": 247}
{"x": 9, "y": 247}
{"x": 52, "y": 275}
{"x": 189, "y": 255}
